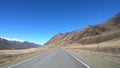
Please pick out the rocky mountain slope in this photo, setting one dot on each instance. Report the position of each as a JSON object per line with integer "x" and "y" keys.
{"x": 12, "y": 44}
{"x": 91, "y": 34}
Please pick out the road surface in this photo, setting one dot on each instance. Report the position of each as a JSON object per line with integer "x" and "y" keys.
{"x": 57, "y": 58}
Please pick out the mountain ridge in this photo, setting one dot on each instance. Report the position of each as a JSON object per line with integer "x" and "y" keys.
{"x": 16, "y": 44}
{"x": 90, "y": 32}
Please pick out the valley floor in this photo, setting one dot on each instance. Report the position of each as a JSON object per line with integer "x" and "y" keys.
{"x": 107, "y": 55}
{"x": 8, "y": 56}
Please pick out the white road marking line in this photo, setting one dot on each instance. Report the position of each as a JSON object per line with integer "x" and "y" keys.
{"x": 54, "y": 53}
{"x": 79, "y": 60}
{"x": 27, "y": 60}
{"x": 24, "y": 61}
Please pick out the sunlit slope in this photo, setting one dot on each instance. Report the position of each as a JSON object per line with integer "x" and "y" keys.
{"x": 105, "y": 31}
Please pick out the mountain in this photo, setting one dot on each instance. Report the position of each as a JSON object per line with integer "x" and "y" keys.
{"x": 105, "y": 31}
{"x": 16, "y": 44}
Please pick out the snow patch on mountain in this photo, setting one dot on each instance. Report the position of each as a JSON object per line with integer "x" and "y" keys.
{"x": 13, "y": 39}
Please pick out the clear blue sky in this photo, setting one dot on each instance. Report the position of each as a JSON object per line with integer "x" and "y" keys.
{"x": 38, "y": 20}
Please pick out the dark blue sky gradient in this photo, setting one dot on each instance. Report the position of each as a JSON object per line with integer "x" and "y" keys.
{"x": 38, "y": 20}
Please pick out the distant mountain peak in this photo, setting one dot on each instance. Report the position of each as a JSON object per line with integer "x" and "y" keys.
{"x": 6, "y": 43}
{"x": 17, "y": 40}
{"x": 13, "y": 39}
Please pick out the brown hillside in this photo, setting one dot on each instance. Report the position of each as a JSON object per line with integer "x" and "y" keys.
{"x": 90, "y": 34}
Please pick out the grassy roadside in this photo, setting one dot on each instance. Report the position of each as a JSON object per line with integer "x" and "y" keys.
{"x": 108, "y": 55}
{"x": 8, "y": 56}
{"x": 95, "y": 60}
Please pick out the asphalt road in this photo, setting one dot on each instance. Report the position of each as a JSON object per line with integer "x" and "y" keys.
{"x": 57, "y": 58}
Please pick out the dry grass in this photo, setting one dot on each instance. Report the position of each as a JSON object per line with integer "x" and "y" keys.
{"x": 7, "y": 56}
{"x": 97, "y": 60}
{"x": 108, "y": 55}
{"x": 21, "y": 51}
{"x": 109, "y": 46}
{"x": 100, "y": 38}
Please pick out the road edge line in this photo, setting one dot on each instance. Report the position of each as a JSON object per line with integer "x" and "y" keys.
{"x": 28, "y": 59}
{"x": 79, "y": 60}
{"x": 23, "y": 61}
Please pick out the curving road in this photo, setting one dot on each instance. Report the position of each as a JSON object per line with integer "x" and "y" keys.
{"x": 57, "y": 58}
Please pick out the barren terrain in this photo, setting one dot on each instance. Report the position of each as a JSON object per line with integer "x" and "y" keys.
{"x": 107, "y": 56}
{"x": 7, "y": 56}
